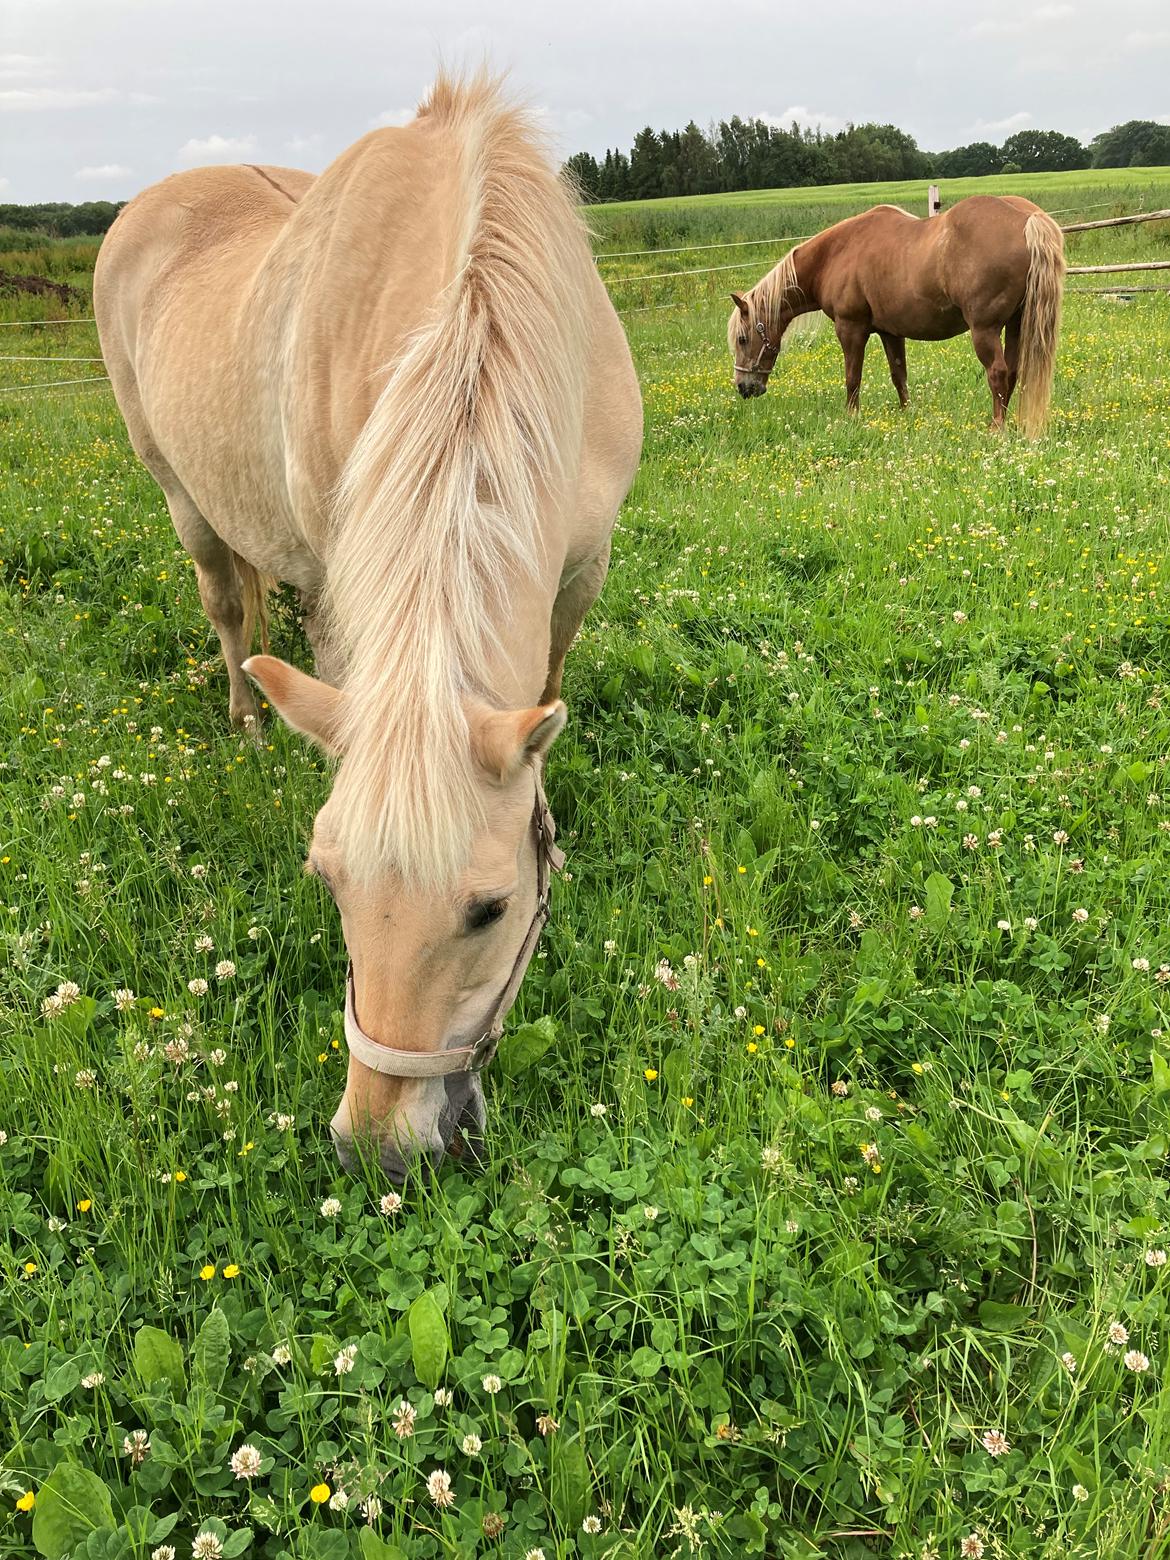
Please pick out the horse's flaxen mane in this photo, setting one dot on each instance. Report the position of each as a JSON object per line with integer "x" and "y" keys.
{"x": 437, "y": 517}
{"x": 767, "y": 298}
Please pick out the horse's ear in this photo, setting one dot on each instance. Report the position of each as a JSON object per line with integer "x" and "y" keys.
{"x": 504, "y": 740}
{"x": 741, "y": 304}
{"x": 303, "y": 702}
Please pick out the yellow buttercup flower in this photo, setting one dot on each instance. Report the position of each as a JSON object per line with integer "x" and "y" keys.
{"x": 232, "y": 1270}
{"x": 320, "y": 1493}
{"x": 30, "y": 1268}
{"x": 26, "y": 1502}
{"x": 207, "y": 1271}
{"x": 650, "y": 1073}
{"x": 85, "y": 1205}
{"x": 180, "y": 1175}
{"x": 752, "y": 1047}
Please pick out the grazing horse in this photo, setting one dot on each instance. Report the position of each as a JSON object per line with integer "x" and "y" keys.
{"x": 400, "y": 387}
{"x": 991, "y": 264}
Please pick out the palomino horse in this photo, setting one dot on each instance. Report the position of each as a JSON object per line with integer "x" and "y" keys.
{"x": 992, "y": 264}
{"x": 401, "y": 387}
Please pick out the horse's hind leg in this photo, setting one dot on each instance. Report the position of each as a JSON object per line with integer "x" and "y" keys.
{"x": 1011, "y": 349}
{"x": 896, "y": 357}
{"x": 222, "y": 594}
{"x": 989, "y": 351}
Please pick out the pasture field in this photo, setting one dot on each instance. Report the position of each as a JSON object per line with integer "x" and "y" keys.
{"x": 825, "y": 1210}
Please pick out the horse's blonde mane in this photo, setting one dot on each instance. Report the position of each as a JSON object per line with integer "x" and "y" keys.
{"x": 437, "y": 517}
{"x": 766, "y": 298}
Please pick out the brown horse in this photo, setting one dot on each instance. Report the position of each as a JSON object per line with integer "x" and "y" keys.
{"x": 401, "y": 387}
{"x": 992, "y": 264}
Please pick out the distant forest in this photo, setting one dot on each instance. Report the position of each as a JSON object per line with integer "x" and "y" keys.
{"x": 748, "y": 154}
{"x": 751, "y": 154}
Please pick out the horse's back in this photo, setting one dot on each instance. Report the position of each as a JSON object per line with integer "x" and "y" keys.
{"x": 185, "y": 221}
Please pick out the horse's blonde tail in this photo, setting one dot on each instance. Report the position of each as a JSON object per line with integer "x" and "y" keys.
{"x": 254, "y": 587}
{"x": 1040, "y": 328}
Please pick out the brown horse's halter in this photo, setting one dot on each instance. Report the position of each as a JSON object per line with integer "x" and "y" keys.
{"x": 397, "y": 1063}
{"x": 767, "y": 347}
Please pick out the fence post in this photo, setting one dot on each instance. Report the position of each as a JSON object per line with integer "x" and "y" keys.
{"x": 933, "y": 201}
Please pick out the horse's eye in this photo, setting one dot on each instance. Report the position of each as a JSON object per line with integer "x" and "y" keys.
{"x": 742, "y": 339}
{"x": 484, "y": 913}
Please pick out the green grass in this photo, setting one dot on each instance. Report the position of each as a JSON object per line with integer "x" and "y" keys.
{"x": 855, "y": 694}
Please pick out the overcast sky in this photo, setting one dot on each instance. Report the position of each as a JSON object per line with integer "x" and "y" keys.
{"x": 99, "y": 98}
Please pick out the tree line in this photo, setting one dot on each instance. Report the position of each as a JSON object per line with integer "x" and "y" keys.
{"x": 58, "y": 219}
{"x": 752, "y": 154}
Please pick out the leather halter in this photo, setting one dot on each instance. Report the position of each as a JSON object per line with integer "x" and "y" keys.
{"x": 396, "y": 1063}
{"x": 767, "y": 347}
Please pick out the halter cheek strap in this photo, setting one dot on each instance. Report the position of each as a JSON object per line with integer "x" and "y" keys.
{"x": 396, "y": 1063}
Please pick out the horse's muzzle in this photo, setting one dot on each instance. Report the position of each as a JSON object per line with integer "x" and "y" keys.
{"x": 751, "y": 387}
{"x": 458, "y": 1130}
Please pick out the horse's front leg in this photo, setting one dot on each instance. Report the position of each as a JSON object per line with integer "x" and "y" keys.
{"x": 853, "y": 338}
{"x": 576, "y": 595}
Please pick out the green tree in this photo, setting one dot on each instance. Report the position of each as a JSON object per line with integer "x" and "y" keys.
{"x": 1139, "y": 143}
{"x": 1044, "y": 151}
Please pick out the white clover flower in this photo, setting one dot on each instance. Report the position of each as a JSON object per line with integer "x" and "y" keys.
{"x": 206, "y": 1546}
{"x": 339, "y": 1500}
{"x": 197, "y": 987}
{"x": 971, "y": 1547}
{"x": 439, "y": 1488}
{"x": 204, "y": 943}
{"x": 995, "y": 1443}
{"x": 472, "y": 1445}
{"x": 443, "y": 1397}
{"x": 591, "y": 1524}
{"x": 282, "y": 1354}
{"x": 198, "y": 872}
{"x": 123, "y": 999}
{"x": 95, "y": 1379}
{"x": 492, "y": 1385}
{"x": 1156, "y": 1259}
{"x": 873, "y": 1113}
{"x": 1118, "y": 1334}
{"x": 391, "y": 1203}
{"x": 331, "y": 1207}
{"x": 1135, "y": 1360}
{"x": 1079, "y": 1492}
{"x": 225, "y": 969}
{"x": 1080, "y": 915}
{"x": 649, "y": 1213}
{"x": 404, "y": 1419}
{"x": 344, "y": 1362}
{"x": 371, "y": 1508}
{"x": 598, "y": 1109}
{"x": 86, "y": 1078}
{"x": 1069, "y": 1361}
{"x": 245, "y": 1463}
{"x": 136, "y": 1446}
{"x": 163, "y": 1552}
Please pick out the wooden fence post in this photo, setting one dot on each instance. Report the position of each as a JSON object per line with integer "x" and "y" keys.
{"x": 933, "y": 201}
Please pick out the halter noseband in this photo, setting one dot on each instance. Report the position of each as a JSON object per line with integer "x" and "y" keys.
{"x": 396, "y": 1063}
